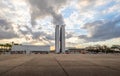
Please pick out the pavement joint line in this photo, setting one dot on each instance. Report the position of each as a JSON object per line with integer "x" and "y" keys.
{"x": 12, "y": 58}
{"x": 14, "y": 67}
{"x": 108, "y": 67}
{"x": 61, "y": 66}
{"x": 112, "y": 68}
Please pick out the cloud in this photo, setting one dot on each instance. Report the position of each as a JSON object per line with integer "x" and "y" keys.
{"x": 74, "y": 41}
{"x": 12, "y": 16}
{"x": 5, "y": 24}
{"x": 69, "y": 35}
{"x": 42, "y": 8}
{"x": 102, "y": 30}
{"x": 6, "y": 31}
{"x": 7, "y": 34}
{"x": 43, "y": 36}
{"x": 34, "y": 20}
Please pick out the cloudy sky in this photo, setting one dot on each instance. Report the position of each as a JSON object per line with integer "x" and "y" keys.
{"x": 87, "y": 22}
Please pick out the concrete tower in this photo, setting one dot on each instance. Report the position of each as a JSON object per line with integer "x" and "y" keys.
{"x": 60, "y": 39}
{"x": 57, "y": 39}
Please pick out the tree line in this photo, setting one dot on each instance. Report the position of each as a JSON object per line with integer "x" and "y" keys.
{"x": 103, "y": 49}
{"x": 6, "y": 47}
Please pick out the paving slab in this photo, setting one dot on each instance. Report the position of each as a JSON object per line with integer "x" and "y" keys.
{"x": 35, "y": 71}
{"x": 91, "y": 71}
{"x": 8, "y": 65}
{"x": 60, "y": 65}
{"x": 9, "y": 56}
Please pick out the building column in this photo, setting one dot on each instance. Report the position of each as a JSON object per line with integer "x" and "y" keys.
{"x": 62, "y": 38}
{"x": 57, "y": 39}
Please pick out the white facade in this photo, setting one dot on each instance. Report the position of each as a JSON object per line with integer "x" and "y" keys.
{"x": 60, "y": 39}
{"x": 30, "y": 48}
{"x": 63, "y": 39}
{"x": 57, "y": 39}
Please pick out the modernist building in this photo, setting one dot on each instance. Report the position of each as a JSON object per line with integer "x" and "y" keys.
{"x": 27, "y": 49}
{"x": 60, "y": 39}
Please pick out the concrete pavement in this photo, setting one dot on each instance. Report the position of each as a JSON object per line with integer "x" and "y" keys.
{"x": 60, "y": 65}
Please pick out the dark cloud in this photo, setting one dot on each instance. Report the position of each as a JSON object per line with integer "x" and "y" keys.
{"x": 42, "y": 8}
{"x": 102, "y": 30}
{"x": 7, "y": 34}
{"x": 46, "y": 36}
{"x": 6, "y": 30}
{"x": 23, "y": 32}
{"x": 5, "y": 24}
{"x": 69, "y": 35}
{"x": 36, "y": 35}
{"x": 50, "y": 37}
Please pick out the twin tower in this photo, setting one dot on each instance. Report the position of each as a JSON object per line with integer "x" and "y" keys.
{"x": 60, "y": 39}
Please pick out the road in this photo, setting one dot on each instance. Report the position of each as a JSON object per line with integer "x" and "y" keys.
{"x": 60, "y": 65}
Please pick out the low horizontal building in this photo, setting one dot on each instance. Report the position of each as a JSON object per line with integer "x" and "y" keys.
{"x": 76, "y": 50}
{"x": 27, "y": 49}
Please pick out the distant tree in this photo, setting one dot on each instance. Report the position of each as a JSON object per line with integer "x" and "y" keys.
{"x": 115, "y": 47}
{"x": 8, "y": 46}
{"x": 106, "y": 49}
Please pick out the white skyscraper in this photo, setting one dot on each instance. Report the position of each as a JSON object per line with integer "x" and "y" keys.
{"x": 60, "y": 39}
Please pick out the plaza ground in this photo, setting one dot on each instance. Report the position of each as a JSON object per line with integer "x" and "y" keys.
{"x": 60, "y": 65}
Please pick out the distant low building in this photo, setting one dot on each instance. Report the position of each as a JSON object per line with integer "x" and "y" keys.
{"x": 27, "y": 49}
{"x": 76, "y": 50}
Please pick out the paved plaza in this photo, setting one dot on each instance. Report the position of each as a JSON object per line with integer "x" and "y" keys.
{"x": 60, "y": 65}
